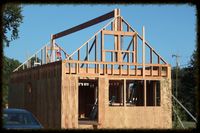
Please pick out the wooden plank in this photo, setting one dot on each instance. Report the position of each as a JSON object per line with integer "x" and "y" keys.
{"x": 87, "y": 55}
{"x": 116, "y": 63}
{"x": 136, "y": 49}
{"x": 102, "y": 47}
{"x": 128, "y": 66}
{"x": 119, "y": 21}
{"x": 168, "y": 72}
{"x": 151, "y": 61}
{"x": 119, "y": 48}
{"x": 78, "y": 65}
{"x": 133, "y": 49}
{"x": 117, "y": 33}
{"x": 143, "y": 51}
{"x": 96, "y": 44}
{"x": 87, "y": 122}
{"x": 124, "y": 51}
{"x": 84, "y": 25}
{"x": 101, "y": 101}
{"x": 159, "y": 68}
{"x": 69, "y": 101}
{"x": 95, "y": 52}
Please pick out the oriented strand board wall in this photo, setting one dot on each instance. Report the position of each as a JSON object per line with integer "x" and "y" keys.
{"x": 138, "y": 116}
{"x": 69, "y": 100}
{"x": 102, "y": 98}
{"x": 39, "y": 91}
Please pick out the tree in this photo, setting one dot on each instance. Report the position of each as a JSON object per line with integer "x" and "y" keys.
{"x": 12, "y": 18}
{"x": 187, "y": 87}
{"x": 8, "y": 66}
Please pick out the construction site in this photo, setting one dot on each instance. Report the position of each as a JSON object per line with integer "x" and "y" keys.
{"x": 113, "y": 80}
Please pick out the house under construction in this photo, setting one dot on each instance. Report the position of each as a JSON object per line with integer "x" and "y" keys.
{"x": 114, "y": 80}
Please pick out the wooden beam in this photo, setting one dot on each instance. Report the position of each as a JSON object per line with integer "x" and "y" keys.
{"x": 109, "y": 32}
{"x": 95, "y": 52}
{"x": 119, "y": 48}
{"x": 102, "y": 47}
{"x": 143, "y": 51}
{"x": 96, "y": 41}
{"x": 87, "y": 52}
{"x": 84, "y": 25}
{"x": 90, "y": 38}
{"x": 128, "y": 66}
{"x": 114, "y": 63}
{"x": 151, "y": 60}
{"x": 136, "y": 49}
{"x": 120, "y": 27}
{"x": 115, "y": 26}
{"x": 151, "y": 56}
{"x": 87, "y": 55}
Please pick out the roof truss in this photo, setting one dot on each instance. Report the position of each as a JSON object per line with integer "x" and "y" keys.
{"x": 95, "y": 54}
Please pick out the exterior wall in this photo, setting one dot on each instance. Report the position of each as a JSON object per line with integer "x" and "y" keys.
{"x": 38, "y": 90}
{"x": 138, "y": 116}
{"x": 53, "y": 99}
{"x": 69, "y": 100}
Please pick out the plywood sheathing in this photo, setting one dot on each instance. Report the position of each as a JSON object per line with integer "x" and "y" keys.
{"x": 102, "y": 96}
{"x": 38, "y": 90}
{"x": 69, "y": 100}
{"x": 166, "y": 102}
{"x": 149, "y": 117}
{"x": 17, "y": 93}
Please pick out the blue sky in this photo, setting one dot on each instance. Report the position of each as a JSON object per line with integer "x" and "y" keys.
{"x": 170, "y": 29}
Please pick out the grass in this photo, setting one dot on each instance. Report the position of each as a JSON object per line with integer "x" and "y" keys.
{"x": 187, "y": 125}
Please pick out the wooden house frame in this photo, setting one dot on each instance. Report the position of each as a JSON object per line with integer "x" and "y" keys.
{"x": 105, "y": 83}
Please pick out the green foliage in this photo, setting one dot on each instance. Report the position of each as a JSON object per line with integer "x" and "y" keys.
{"x": 187, "y": 87}
{"x": 8, "y": 66}
{"x": 12, "y": 18}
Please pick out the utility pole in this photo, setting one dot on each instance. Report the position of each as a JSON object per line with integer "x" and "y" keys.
{"x": 176, "y": 91}
{"x": 177, "y": 67}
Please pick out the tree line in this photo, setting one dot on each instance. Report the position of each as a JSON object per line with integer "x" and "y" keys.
{"x": 187, "y": 87}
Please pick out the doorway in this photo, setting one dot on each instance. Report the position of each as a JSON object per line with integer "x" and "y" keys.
{"x": 88, "y": 100}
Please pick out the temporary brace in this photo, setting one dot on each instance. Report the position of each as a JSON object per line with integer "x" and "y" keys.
{"x": 184, "y": 108}
{"x": 178, "y": 118}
